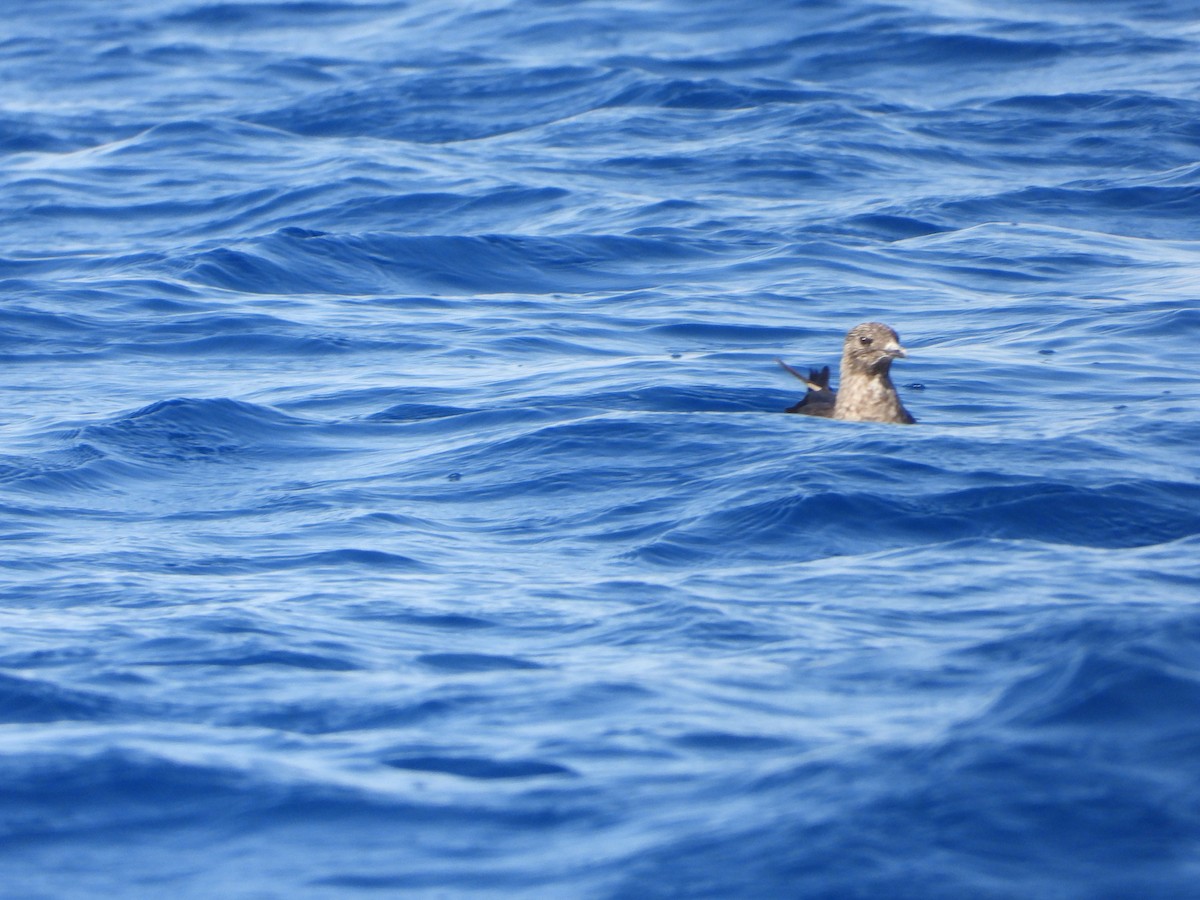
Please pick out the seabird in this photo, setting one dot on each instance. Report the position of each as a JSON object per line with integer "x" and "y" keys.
{"x": 865, "y": 392}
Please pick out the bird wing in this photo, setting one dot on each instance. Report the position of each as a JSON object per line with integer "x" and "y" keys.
{"x": 815, "y": 380}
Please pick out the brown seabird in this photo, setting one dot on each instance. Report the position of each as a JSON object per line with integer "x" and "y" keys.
{"x": 865, "y": 392}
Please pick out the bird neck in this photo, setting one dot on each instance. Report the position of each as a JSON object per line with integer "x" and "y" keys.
{"x": 868, "y": 397}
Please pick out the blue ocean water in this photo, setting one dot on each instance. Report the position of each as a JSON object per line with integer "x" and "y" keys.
{"x": 396, "y": 495}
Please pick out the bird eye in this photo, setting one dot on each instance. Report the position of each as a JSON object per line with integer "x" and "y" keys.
{"x": 864, "y": 340}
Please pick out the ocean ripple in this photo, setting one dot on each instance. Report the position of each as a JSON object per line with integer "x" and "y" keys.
{"x": 397, "y": 490}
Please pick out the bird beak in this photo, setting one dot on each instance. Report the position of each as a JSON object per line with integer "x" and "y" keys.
{"x": 895, "y": 351}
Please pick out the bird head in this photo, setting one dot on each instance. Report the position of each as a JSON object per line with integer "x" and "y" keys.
{"x": 871, "y": 347}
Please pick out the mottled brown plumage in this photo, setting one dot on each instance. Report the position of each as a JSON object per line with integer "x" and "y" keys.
{"x": 865, "y": 391}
